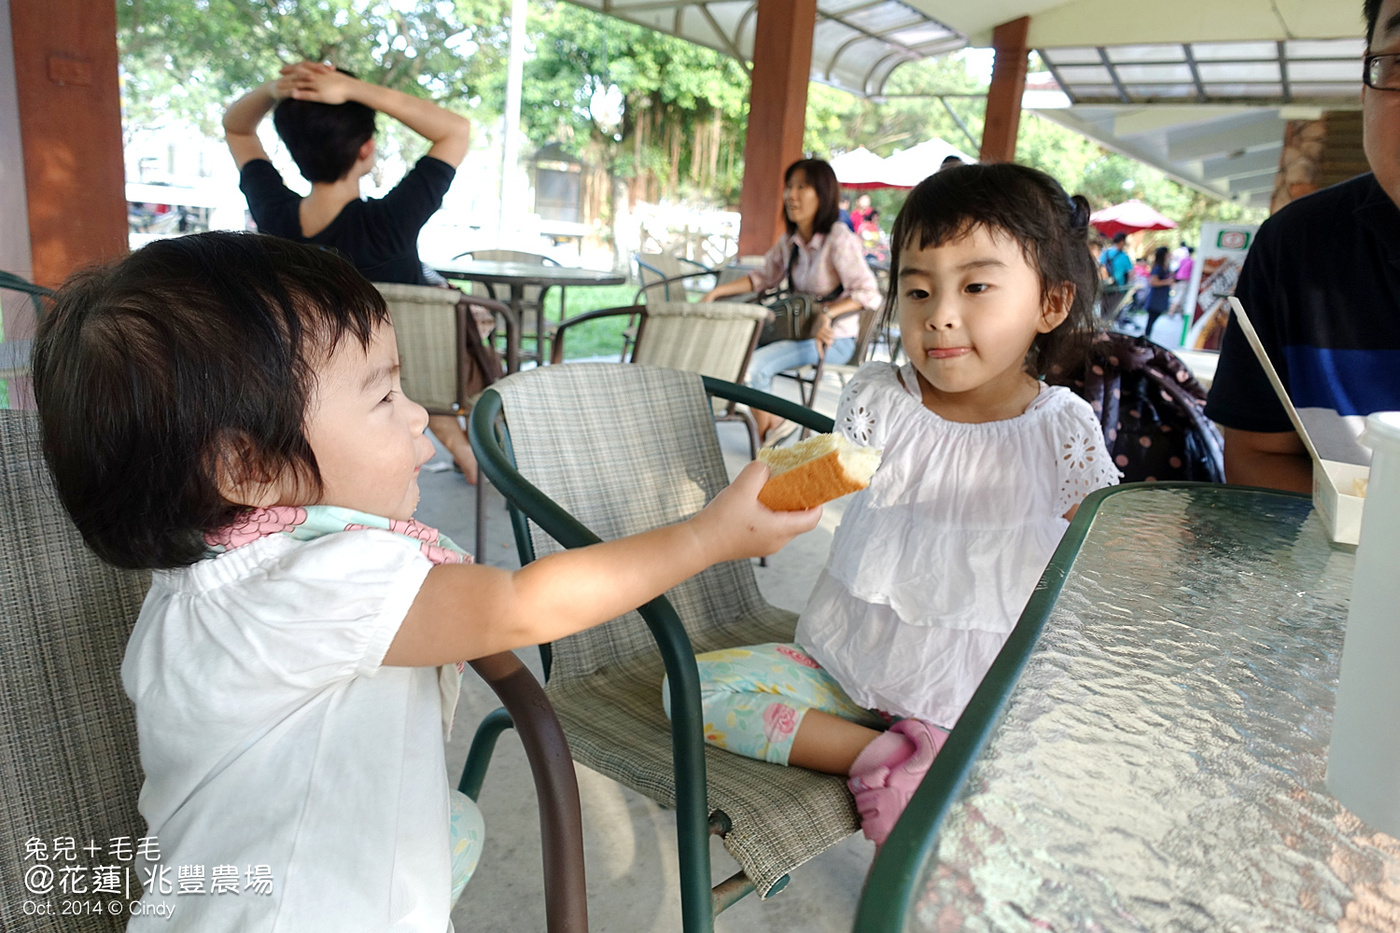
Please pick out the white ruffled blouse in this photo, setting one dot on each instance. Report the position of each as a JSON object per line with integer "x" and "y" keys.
{"x": 933, "y": 563}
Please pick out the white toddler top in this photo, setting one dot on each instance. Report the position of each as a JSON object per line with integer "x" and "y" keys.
{"x": 933, "y": 563}
{"x": 272, "y": 736}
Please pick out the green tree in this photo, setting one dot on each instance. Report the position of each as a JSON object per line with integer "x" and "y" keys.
{"x": 672, "y": 113}
{"x": 188, "y": 58}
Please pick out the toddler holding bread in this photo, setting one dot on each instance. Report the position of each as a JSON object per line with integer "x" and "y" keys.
{"x": 992, "y": 285}
{"x": 225, "y": 411}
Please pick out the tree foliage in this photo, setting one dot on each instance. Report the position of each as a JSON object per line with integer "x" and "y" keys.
{"x": 189, "y": 58}
{"x": 660, "y": 114}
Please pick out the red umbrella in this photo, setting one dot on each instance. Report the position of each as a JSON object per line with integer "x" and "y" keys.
{"x": 1129, "y": 217}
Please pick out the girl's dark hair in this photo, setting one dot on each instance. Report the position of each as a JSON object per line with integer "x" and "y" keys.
{"x": 185, "y": 358}
{"x": 1029, "y": 206}
{"x": 1161, "y": 259}
{"x": 822, "y": 178}
{"x": 324, "y": 139}
{"x": 1371, "y": 10}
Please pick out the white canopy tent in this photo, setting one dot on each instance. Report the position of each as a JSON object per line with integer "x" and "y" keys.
{"x": 908, "y": 167}
{"x": 861, "y": 169}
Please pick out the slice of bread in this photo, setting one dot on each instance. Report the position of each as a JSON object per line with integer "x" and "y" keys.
{"x": 814, "y": 471}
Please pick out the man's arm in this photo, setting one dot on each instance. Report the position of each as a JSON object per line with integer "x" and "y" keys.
{"x": 1277, "y": 460}
{"x": 241, "y": 123}
{"x": 449, "y": 133}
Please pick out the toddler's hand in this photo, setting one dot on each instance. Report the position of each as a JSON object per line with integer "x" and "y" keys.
{"x": 736, "y": 525}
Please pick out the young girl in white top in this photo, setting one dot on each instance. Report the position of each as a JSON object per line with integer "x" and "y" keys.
{"x": 991, "y": 284}
{"x": 225, "y": 410}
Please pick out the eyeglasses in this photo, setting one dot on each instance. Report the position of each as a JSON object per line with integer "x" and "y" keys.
{"x": 1382, "y": 72}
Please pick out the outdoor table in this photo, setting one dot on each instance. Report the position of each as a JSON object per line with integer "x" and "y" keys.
{"x": 1148, "y": 751}
{"x": 519, "y": 276}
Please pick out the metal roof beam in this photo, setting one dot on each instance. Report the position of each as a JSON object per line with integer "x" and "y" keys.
{"x": 1260, "y": 181}
{"x": 1248, "y": 163}
{"x": 1241, "y": 133}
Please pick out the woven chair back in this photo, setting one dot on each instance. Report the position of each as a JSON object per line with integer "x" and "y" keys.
{"x": 426, "y": 328}
{"x": 667, "y": 265}
{"x": 712, "y": 339}
{"x": 68, "y": 754}
{"x": 626, "y": 449}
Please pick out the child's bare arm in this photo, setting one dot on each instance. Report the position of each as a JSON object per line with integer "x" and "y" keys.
{"x": 449, "y": 133}
{"x": 466, "y": 612}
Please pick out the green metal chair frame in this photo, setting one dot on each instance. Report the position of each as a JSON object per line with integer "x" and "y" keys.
{"x": 15, "y": 283}
{"x": 497, "y": 455}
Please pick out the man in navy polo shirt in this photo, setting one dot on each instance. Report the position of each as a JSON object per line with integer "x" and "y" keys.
{"x": 1322, "y": 286}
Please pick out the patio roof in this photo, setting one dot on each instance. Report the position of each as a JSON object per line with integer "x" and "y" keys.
{"x": 1203, "y": 93}
{"x": 1102, "y": 51}
{"x": 855, "y": 46}
{"x": 1252, "y": 72}
{"x": 1229, "y": 152}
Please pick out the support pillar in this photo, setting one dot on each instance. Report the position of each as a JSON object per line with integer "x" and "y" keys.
{"x": 782, "y": 65}
{"x": 1318, "y": 153}
{"x": 1004, "y": 96}
{"x": 66, "y": 86}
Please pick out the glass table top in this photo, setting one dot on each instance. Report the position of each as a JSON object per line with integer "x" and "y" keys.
{"x": 1159, "y": 763}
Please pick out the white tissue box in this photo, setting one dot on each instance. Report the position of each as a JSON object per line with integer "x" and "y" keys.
{"x": 1334, "y": 497}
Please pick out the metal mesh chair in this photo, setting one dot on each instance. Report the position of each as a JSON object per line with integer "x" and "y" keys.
{"x": 433, "y": 333}
{"x": 809, "y": 378}
{"x": 578, "y": 479}
{"x": 671, "y": 278}
{"x": 710, "y": 338}
{"x": 68, "y": 747}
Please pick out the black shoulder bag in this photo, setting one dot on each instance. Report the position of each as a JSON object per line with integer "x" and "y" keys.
{"x": 793, "y": 315}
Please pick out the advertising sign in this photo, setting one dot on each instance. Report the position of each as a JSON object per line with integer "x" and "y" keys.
{"x": 1217, "y": 269}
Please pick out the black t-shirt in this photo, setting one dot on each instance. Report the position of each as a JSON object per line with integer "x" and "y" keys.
{"x": 380, "y": 236}
{"x": 1322, "y": 286}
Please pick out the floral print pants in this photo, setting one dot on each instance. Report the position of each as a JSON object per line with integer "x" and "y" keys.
{"x": 754, "y": 699}
{"x": 467, "y": 835}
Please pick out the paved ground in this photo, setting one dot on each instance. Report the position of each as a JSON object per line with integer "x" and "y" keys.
{"x": 629, "y": 841}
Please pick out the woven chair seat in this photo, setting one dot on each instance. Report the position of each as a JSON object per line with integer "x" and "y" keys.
{"x": 605, "y": 683}
{"x": 781, "y": 817}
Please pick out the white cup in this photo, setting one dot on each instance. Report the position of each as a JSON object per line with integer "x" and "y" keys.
{"x": 1363, "y": 762}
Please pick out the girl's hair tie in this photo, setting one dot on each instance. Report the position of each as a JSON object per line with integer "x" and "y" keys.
{"x": 1078, "y": 212}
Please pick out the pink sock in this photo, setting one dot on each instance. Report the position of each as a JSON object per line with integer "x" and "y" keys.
{"x": 887, "y": 749}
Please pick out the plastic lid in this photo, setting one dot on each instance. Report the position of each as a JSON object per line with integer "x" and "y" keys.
{"x": 1381, "y": 426}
